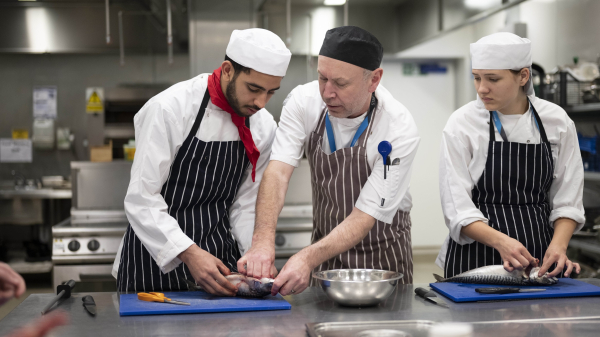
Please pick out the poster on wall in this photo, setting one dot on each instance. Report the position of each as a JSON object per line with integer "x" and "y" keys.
{"x": 15, "y": 150}
{"x": 44, "y": 102}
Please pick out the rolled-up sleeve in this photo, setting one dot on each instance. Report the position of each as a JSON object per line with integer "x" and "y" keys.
{"x": 456, "y": 185}
{"x": 159, "y": 133}
{"x": 242, "y": 212}
{"x": 566, "y": 192}
{"x": 291, "y": 134}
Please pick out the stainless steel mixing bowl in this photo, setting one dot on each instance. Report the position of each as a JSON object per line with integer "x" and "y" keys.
{"x": 358, "y": 287}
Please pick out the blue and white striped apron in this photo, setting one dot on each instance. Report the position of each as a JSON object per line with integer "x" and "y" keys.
{"x": 203, "y": 181}
{"x": 512, "y": 194}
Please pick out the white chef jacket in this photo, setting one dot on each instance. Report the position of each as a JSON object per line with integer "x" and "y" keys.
{"x": 161, "y": 126}
{"x": 393, "y": 122}
{"x": 464, "y": 151}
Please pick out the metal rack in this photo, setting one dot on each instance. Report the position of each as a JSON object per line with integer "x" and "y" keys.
{"x": 564, "y": 89}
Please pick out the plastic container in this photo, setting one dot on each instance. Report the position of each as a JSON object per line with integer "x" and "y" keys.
{"x": 129, "y": 150}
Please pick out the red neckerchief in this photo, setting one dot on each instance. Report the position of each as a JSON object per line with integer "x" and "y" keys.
{"x": 218, "y": 98}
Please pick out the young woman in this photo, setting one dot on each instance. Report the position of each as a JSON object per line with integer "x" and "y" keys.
{"x": 511, "y": 175}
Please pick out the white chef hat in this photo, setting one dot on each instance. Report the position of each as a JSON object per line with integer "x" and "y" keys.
{"x": 259, "y": 49}
{"x": 503, "y": 51}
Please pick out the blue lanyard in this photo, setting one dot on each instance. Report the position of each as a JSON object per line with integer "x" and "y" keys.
{"x": 359, "y": 132}
{"x": 498, "y": 124}
{"x": 331, "y": 139}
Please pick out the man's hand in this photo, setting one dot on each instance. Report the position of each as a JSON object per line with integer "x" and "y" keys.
{"x": 42, "y": 325}
{"x": 558, "y": 255}
{"x": 259, "y": 261}
{"x": 294, "y": 277}
{"x": 208, "y": 271}
{"x": 11, "y": 283}
{"x": 514, "y": 254}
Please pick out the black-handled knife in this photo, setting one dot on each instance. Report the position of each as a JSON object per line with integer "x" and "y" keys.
{"x": 498, "y": 290}
{"x": 430, "y": 296}
{"x": 89, "y": 304}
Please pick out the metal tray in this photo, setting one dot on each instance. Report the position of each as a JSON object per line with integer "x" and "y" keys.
{"x": 414, "y": 328}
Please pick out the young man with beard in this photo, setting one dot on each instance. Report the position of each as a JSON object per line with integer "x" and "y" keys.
{"x": 202, "y": 147}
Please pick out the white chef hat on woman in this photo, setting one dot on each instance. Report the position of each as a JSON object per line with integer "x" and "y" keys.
{"x": 503, "y": 51}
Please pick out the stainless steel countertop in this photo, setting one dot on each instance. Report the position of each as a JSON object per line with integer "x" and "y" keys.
{"x": 313, "y": 306}
{"x": 41, "y": 193}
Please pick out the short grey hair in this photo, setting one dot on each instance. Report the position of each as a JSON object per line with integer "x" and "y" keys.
{"x": 367, "y": 73}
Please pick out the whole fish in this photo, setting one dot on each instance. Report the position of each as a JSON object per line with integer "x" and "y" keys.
{"x": 496, "y": 274}
{"x": 246, "y": 286}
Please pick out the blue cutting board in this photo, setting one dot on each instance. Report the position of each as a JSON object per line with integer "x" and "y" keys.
{"x": 465, "y": 292}
{"x": 200, "y": 302}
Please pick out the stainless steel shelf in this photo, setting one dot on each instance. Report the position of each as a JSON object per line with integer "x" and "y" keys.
{"x": 83, "y": 259}
{"x": 119, "y": 131}
{"x": 588, "y": 245}
{"x": 588, "y": 107}
{"x": 42, "y": 193}
{"x": 88, "y": 231}
{"x": 90, "y": 217}
{"x": 589, "y": 112}
{"x": 22, "y": 267}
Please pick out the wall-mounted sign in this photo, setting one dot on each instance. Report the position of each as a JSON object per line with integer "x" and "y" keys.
{"x": 412, "y": 69}
{"x": 44, "y": 102}
{"x": 432, "y": 68}
{"x": 20, "y": 134}
{"x": 94, "y": 98}
{"x": 15, "y": 150}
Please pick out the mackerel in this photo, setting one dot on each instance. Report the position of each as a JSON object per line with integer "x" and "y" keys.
{"x": 246, "y": 286}
{"x": 496, "y": 274}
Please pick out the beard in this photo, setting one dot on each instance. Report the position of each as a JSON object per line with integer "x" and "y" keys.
{"x": 232, "y": 99}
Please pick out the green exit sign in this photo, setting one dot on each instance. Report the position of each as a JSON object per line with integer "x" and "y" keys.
{"x": 409, "y": 69}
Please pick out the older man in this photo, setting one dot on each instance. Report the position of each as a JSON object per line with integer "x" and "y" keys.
{"x": 361, "y": 203}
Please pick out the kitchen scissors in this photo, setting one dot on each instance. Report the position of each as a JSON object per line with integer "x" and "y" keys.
{"x": 158, "y": 297}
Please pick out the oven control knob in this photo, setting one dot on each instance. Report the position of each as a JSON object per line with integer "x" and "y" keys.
{"x": 279, "y": 240}
{"x": 93, "y": 245}
{"x": 74, "y": 246}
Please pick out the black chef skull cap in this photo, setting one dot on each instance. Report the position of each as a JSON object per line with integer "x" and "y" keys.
{"x": 353, "y": 45}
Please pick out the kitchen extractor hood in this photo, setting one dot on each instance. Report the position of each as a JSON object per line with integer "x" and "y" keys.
{"x": 68, "y": 26}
